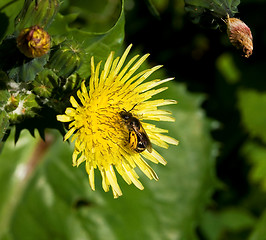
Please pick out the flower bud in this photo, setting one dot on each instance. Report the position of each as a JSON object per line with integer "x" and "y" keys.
{"x": 37, "y": 12}
{"x": 65, "y": 59}
{"x": 33, "y": 42}
{"x": 45, "y": 83}
{"x": 240, "y": 35}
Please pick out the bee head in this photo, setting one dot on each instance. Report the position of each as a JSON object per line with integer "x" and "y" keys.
{"x": 125, "y": 115}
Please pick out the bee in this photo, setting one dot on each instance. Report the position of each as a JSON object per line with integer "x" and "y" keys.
{"x": 138, "y": 138}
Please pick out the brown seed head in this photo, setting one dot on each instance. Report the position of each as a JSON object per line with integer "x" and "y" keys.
{"x": 240, "y": 35}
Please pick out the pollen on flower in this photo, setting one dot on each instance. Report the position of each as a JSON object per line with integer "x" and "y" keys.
{"x": 102, "y": 136}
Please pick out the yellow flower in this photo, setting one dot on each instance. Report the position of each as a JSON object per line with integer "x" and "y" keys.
{"x": 103, "y": 138}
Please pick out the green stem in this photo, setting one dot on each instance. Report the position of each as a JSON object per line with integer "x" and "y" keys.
{"x": 22, "y": 176}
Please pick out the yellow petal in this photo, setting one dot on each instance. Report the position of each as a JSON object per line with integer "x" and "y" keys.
{"x": 156, "y": 155}
{"x": 64, "y": 118}
{"x": 70, "y": 112}
{"x": 168, "y": 139}
{"x": 73, "y": 102}
{"x": 69, "y": 133}
{"x": 113, "y": 181}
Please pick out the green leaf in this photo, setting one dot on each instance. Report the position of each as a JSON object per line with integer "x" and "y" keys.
{"x": 227, "y": 67}
{"x": 216, "y": 224}
{"x": 28, "y": 69}
{"x": 8, "y": 11}
{"x": 203, "y": 11}
{"x": 259, "y": 232}
{"x": 189, "y": 175}
{"x": 256, "y": 154}
{"x": 94, "y": 44}
{"x": 10, "y": 174}
{"x": 4, "y": 96}
{"x": 4, "y": 123}
{"x": 251, "y": 104}
{"x": 18, "y": 67}
{"x": 98, "y": 16}
{"x": 44, "y": 197}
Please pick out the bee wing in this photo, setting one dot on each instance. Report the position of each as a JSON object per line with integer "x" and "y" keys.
{"x": 144, "y": 138}
{"x": 149, "y": 146}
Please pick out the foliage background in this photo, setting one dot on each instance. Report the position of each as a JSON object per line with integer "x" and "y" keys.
{"x": 213, "y": 186}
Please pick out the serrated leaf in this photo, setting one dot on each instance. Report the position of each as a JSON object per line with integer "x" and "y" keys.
{"x": 16, "y": 65}
{"x": 28, "y": 69}
{"x": 251, "y": 104}
{"x": 59, "y": 195}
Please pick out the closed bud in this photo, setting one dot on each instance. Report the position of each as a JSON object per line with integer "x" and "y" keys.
{"x": 45, "y": 83}
{"x": 33, "y": 42}
{"x": 65, "y": 59}
{"x": 240, "y": 35}
{"x": 37, "y": 12}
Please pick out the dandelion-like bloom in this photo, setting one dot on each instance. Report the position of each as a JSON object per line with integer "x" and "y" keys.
{"x": 103, "y": 137}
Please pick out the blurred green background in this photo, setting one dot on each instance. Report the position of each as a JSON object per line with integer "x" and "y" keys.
{"x": 213, "y": 187}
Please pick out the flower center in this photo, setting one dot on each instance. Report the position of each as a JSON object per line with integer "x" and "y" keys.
{"x": 104, "y": 127}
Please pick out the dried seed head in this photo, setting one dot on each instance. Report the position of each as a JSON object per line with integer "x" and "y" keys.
{"x": 33, "y": 42}
{"x": 240, "y": 35}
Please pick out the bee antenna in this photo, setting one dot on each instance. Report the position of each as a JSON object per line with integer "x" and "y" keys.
{"x": 133, "y": 107}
